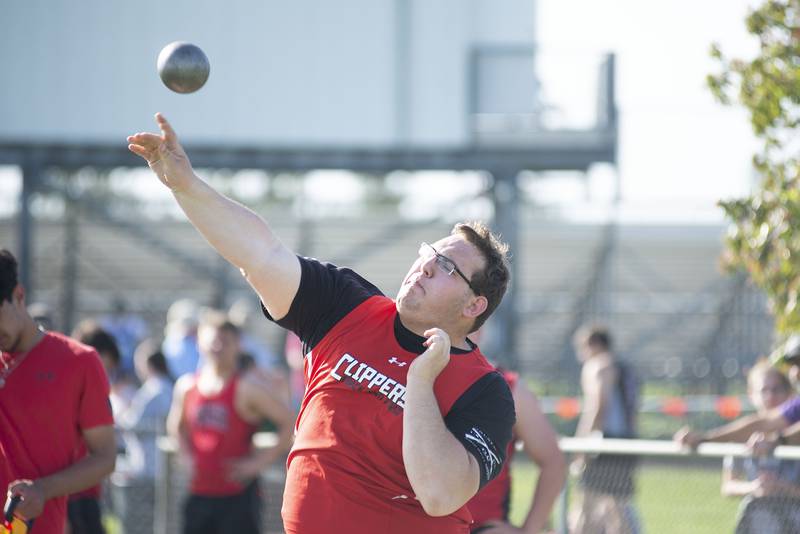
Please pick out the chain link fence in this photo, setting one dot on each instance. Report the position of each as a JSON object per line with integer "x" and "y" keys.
{"x": 155, "y": 505}
{"x": 618, "y": 487}
{"x": 674, "y": 490}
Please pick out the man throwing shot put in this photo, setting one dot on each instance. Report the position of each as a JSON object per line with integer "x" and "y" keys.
{"x": 403, "y": 419}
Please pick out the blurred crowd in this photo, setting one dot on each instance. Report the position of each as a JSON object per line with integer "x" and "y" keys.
{"x": 143, "y": 368}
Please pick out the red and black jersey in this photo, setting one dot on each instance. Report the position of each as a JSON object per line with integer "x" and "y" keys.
{"x": 345, "y": 470}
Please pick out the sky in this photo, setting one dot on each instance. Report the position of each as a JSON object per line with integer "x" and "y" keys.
{"x": 680, "y": 151}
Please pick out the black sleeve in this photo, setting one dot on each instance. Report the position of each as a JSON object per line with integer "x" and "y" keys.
{"x": 482, "y": 419}
{"x": 326, "y": 294}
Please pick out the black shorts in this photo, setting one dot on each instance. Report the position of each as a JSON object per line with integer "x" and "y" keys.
{"x": 610, "y": 474}
{"x": 84, "y": 516}
{"x": 234, "y": 514}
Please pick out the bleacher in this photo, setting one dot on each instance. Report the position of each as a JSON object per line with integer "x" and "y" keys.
{"x": 659, "y": 288}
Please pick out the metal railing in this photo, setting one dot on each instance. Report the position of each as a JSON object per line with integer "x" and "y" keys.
{"x": 155, "y": 505}
{"x": 653, "y": 450}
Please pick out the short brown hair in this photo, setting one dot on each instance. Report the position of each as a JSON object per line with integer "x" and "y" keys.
{"x": 595, "y": 336}
{"x": 8, "y": 275}
{"x": 89, "y": 332}
{"x": 492, "y": 281}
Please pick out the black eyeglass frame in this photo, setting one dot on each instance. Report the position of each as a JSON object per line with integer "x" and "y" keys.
{"x": 448, "y": 265}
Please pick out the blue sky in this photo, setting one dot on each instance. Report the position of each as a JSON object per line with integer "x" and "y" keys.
{"x": 680, "y": 151}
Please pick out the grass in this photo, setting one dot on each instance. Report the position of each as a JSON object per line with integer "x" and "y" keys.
{"x": 670, "y": 499}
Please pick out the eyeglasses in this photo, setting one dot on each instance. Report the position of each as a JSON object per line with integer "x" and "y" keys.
{"x": 445, "y": 264}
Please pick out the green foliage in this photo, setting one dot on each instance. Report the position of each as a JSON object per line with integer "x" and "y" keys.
{"x": 763, "y": 239}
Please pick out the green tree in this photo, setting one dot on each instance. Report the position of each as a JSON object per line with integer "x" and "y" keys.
{"x": 764, "y": 238}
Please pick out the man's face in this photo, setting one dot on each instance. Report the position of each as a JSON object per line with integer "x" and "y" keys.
{"x": 428, "y": 293}
{"x": 583, "y": 351}
{"x": 218, "y": 344}
{"x": 768, "y": 391}
{"x": 11, "y": 322}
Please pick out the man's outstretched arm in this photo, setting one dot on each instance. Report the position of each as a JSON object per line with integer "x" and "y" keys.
{"x": 240, "y": 235}
{"x": 737, "y": 431}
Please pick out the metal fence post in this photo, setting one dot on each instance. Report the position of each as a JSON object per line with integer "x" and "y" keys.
{"x": 163, "y": 485}
{"x": 563, "y": 517}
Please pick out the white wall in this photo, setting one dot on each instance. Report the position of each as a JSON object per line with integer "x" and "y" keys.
{"x": 282, "y": 73}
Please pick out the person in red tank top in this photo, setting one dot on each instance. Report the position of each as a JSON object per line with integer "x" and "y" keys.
{"x": 403, "y": 419}
{"x": 489, "y": 508}
{"x": 53, "y": 399}
{"x": 214, "y": 416}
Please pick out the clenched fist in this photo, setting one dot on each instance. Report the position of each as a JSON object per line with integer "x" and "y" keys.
{"x": 430, "y": 363}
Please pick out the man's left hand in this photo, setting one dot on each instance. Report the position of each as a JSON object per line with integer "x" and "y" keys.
{"x": 32, "y": 504}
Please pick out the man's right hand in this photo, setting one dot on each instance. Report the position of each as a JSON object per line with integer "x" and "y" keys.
{"x": 430, "y": 363}
{"x": 688, "y": 437}
{"x": 32, "y": 504}
{"x": 164, "y": 154}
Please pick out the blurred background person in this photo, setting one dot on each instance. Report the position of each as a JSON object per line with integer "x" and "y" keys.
{"x": 180, "y": 338}
{"x": 42, "y": 314}
{"x": 241, "y": 313}
{"x": 214, "y": 415}
{"x": 293, "y": 352}
{"x": 490, "y": 506}
{"x": 610, "y": 407}
{"x": 786, "y": 358}
{"x": 254, "y": 351}
{"x": 770, "y": 487}
{"x": 127, "y": 328}
{"x": 84, "y": 511}
{"x": 768, "y": 427}
{"x": 146, "y": 416}
{"x": 133, "y": 482}
{"x": 123, "y": 383}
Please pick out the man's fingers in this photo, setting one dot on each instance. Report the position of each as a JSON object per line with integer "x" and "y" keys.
{"x": 146, "y": 139}
{"x": 166, "y": 127}
{"x": 435, "y": 332}
{"x": 139, "y": 150}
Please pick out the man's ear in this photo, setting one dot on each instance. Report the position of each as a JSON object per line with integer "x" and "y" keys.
{"x": 476, "y": 306}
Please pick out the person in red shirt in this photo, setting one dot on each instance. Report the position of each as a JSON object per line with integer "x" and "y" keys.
{"x": 214, "y": 416}
{"x": 84, "y": 513}
{"x": 53, "y": 396}
{"x": 490, "y": 506}
{"x": 403, "y": 419}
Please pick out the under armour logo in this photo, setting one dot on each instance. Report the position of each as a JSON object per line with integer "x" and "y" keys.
{"x": 396, "y": 362}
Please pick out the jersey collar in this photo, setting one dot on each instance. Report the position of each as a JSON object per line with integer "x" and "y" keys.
{"x": 411, "y": 342}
